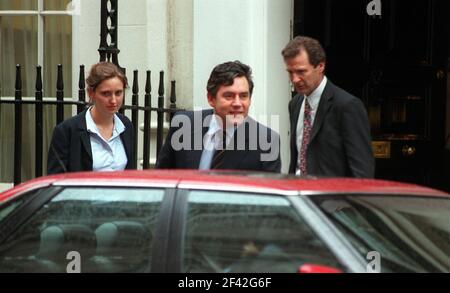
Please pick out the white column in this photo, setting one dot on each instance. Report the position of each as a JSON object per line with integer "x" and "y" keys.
{"x": 254, "y": 32}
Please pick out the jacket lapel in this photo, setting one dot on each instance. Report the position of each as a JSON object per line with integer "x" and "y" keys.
{"x": 233, "y": 157}
{"x": 126, "y": 141}
{"x": 295, "y": 117}
{"x": 84, "y": 135}
{"x": 196, "y": 154}
{"x": 324, "y": 105}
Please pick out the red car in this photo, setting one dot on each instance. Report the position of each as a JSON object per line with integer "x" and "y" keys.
{"x": 203, "y": 221}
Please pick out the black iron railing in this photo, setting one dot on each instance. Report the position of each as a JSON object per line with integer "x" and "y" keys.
{"x": 81, "y": 104}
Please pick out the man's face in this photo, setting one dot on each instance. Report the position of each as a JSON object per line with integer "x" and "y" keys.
{"x": 232, "y": 102}
{"x": 304, "y": 76}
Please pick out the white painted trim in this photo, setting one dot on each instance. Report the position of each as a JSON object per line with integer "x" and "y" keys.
{"x": 40, "y": 38}
{"x": 18, "y": 12}
{"x": 75, "y": 59}
{"x": 5, "y": 186}
{"x": 33, "y": 12}
{"x": 257, "y": 55}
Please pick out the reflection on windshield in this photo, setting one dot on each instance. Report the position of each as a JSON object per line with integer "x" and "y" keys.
{"x": 412, "y": 234}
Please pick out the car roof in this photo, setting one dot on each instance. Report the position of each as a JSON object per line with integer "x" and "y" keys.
{"x": 228, "y": 181}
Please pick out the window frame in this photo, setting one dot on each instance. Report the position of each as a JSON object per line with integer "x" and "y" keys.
{"x": 27, "y": 209}
{"x": 41, "y": 14}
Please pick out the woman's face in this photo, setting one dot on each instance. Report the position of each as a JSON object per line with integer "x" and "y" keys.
{"x": 108, "y": 96}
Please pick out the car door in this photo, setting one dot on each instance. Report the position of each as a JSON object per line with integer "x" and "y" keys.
{"x": 232, "y": 231}
{"x": 84, "y": 229}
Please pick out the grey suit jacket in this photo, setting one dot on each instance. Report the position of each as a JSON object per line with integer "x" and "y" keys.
{"x": 248, "y": 158}
{"x": 340, "y": 144}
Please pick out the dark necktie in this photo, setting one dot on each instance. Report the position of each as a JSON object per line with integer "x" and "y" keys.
{"x": 217, "y": 159}
{"x": 306, "y": 137}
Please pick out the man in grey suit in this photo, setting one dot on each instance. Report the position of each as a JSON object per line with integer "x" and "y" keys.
{"x": 330, "y": 131}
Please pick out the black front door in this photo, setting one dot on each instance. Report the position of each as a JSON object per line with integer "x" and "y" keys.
{"x": 396, "y": 63}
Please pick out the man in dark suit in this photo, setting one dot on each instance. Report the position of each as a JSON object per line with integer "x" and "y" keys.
{"x": 224, "y": 137}
{"x": 330, "y": 131}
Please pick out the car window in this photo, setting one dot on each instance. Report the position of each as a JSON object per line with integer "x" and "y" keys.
{"x": 233, "y": 232}
{"x": 87, "y": 230}
{"x": 6, "y": 208}
{"x": 410, "y": 234}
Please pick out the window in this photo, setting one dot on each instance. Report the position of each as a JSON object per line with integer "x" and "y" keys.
{"x": 412, "y": 234}
{"x": 111, "y": 228}
{"x": 232, "y": 232}
{"x": 32, "y": 32}
{"x": 11, "y": 205}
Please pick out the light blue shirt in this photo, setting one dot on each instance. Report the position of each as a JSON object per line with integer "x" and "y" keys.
{"x": 213, "y": 141}
{"x": 106, "y": 155}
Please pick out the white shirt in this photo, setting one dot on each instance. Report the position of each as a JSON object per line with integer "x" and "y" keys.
{"x": 212, "y": 141}
{"x": 106, "y": 155}
{"x": 313, "y": 100}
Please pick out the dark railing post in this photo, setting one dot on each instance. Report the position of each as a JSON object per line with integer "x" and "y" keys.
{"x": 135, "y": 110}
{"x": 109, "y": 51}
{"x": 147, "y": 120}
{"x": 160, "y": 118}
{"x": 38, "y": 123}
{"x": 81, "y": 90}
{"x": 173, "y": 99}
{"x": 60, "y": 96}
{"x": 18, "y": 127}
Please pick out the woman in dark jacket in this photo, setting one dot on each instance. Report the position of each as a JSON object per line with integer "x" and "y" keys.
{"x": 99, "y": 138}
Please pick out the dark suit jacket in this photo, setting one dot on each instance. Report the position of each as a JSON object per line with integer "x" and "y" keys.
{"x": 72, "y": 145}
{"x": 340, "y": 144}
{"x": 245, "y": 159}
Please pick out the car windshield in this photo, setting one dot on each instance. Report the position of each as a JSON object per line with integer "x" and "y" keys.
{"x": 409, "y": 233}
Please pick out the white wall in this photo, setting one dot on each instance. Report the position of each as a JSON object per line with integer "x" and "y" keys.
{"x": 5, "y": 186}
{"x": 188, "y": 38}
{"x": 254, "y": 32}
{"x": 278, "y": 87}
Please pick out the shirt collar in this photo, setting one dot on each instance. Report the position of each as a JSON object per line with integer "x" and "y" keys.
{"x": 92, "y": 127}
{"x": 215, "y": 126}
{"x": 314, "y": 97}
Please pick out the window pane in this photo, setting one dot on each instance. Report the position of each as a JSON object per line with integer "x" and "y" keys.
{"x": 57, "y": 50}
{"x": 412, "y": 234}
{"x": 11, "y": 205}
{"x": 56, "y": 4}
{"x": 112, "y": 229}
{"x": 18, "y": 4}
{"x": 228, "y": 232}
{"x": 18, "y": 45}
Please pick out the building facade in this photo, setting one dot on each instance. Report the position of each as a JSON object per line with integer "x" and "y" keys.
{"x": 185, "y": 39}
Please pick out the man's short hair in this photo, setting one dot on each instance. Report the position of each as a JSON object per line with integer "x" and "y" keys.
{"x": 224, "y": 75}
{"x": 315, "y": 51}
